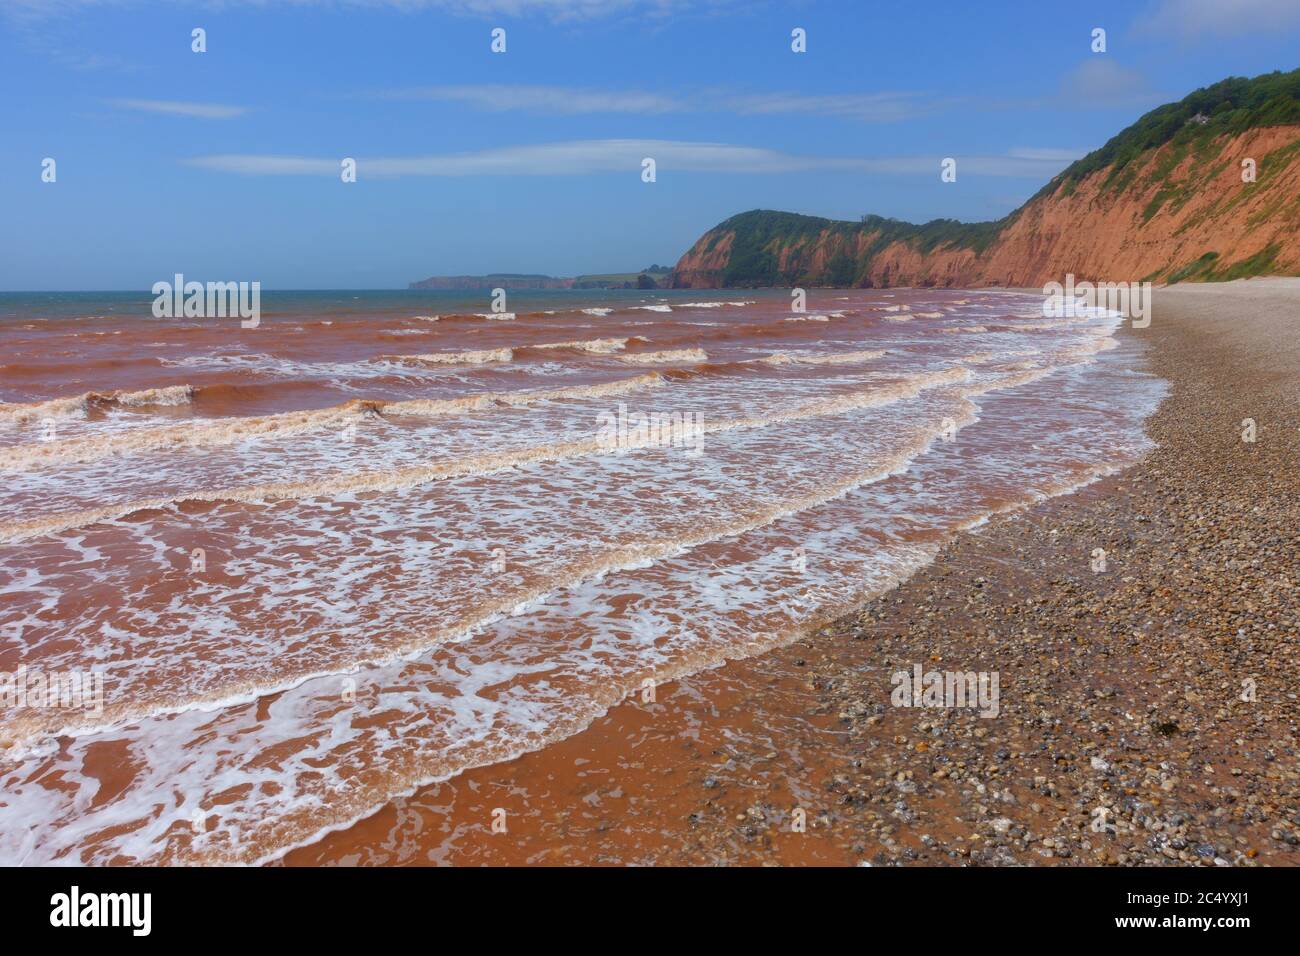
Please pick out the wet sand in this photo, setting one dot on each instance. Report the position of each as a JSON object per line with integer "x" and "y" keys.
{"x": 1147, "y": 711}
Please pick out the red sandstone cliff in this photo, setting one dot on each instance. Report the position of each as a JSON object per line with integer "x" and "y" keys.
{"x": 1180, "y": 211}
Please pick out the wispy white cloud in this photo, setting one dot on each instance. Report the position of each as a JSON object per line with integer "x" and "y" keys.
{"x": 869, "y": 107}
{"x": 544, "y": 99}
{"x": 177, "y": 108}
{"x": 1206, "y": 19}
{"x": 625, "y": 156}
{"x": 558, "y": 10}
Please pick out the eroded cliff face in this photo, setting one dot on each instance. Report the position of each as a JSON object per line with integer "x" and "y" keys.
{"x": 1174, "y": 213}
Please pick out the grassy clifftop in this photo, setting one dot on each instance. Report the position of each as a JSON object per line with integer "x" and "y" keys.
{"x": 1229, "y": 107}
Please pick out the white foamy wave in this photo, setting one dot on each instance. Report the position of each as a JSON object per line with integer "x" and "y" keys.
{"x": 595, "y": 346}
{"x": 432, "y": 407}
{"x": 712, "y": 305}
{"x": 454, "y": 723}
{"x": 666, "y": 356}
{"x": 77, "y": 406}
{"x": 833, "y": 358}
{"x": 392, "y": 480}
{"x": 621, "y": 556}
{"x": 208, "y": 433}
{"x": 479, "y": 357}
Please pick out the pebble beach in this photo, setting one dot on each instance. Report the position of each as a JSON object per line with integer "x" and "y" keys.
{"x": 1148, "y": 711}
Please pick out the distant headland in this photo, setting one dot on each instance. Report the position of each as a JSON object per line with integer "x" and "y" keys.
{"x": 655, "y": 277}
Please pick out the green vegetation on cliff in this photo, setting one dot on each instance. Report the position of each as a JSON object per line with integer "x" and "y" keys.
{"x": 1228, "y": 107}
{"x": 759, "y": 236}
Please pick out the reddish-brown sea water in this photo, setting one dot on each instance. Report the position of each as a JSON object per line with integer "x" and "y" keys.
{"x": 326, "y": 564}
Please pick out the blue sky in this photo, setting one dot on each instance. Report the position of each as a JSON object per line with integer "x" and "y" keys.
{"x": 225, "y": 165}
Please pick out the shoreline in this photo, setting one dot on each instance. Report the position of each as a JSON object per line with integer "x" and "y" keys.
{"x": 1119, "y": 690}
